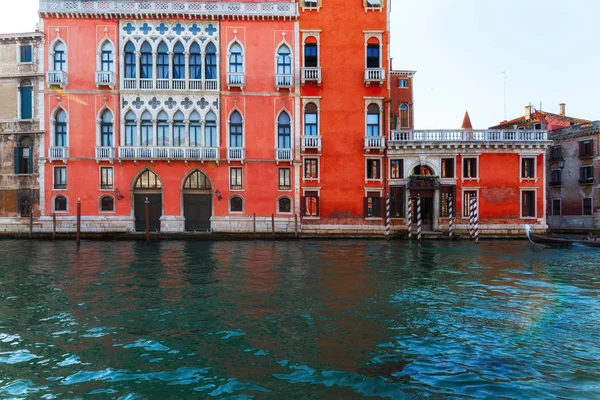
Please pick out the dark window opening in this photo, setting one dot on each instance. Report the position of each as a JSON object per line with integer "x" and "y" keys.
{"x": 396, "y": 169}
{"x": 374, "y": 169}
{"x": 528, "y": 168}
{"x": 236, "y": 204}
{"x": 310, "y": 55}
{"x": 373, "y": 56}
{"x": 470, "y": 168}
{"x": 447, "y": 167}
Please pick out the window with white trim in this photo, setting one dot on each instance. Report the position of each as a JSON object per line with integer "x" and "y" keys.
{"x": 106, "y": 178}
{"x": 60, "y": 204}
{"x": 284, "y": 205}
{"x": 373, "y": 167}
{"x": 528, "y": 204}
{"x": 470, "y": 170}
{"x": 235, "y": 178}
{"x": 107, "y": 204}
{"x": 285, "y": 181}
{"x": 528, "y": 167}
{"x": 60, "y": 177}
{"x": 236, "y": 204}
{"x": 311, "y": 168}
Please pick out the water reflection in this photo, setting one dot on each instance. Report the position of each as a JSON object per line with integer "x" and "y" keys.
{"x": 343, "y": 319}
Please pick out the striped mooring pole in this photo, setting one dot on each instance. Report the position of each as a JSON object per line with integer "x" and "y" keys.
{"x": 419, "y": 218}
{"x": 450, "y": 216}
{"x": 471, "y": 216}
{"x": 388, "y": 216}
{"x": 409, "y": 217}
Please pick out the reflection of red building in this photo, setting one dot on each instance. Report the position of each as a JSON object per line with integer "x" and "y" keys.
{"x": 214, "y": 114}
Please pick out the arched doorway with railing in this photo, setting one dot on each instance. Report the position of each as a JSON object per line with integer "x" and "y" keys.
{"x": 147, "y": 186}
{"x": 423, "y": 184}
{"x": 197, "y": 201}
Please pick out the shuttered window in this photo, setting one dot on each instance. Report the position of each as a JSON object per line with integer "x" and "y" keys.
{"x": 26, "y": 98}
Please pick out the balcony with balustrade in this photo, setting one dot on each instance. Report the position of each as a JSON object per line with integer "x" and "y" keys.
{"x": 169, "y": 153}
{"x": 311, "y": 143}
{"x": 285, "y": 155}
{"x": 58, "y": 153}
{"x": 284, "y": 81}
{"x": 105, "y": 153}
{"x": 105, "y": 78}
{"x": 374, "y": 76}
{"x": 311, "y": 74}
{"x": 374, "y": 143}
{"x": 235, "y": 79}
{"x": 236, "y": 154}
{"x": 170, "y": 84}
{"x": 469, "y": 138}
{"x": 57, "y": 78}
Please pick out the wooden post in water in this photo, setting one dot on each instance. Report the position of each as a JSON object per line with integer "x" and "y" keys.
{"x": 296, "y": 225}
{"x": 147, "y": 205}
{"x": 53, "y": 225}
{"x": 78, "y": 234}
{"x": 254, "y": 225}
{"x": 273, "y": 224}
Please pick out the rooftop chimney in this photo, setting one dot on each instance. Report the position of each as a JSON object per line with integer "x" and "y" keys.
{"x": 528, "y": 112}
{"x": 562, "y": 109}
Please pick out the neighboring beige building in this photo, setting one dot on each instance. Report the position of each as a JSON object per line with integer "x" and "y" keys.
{"x": 572, "y": 170}
{"x": 21, "y": 133}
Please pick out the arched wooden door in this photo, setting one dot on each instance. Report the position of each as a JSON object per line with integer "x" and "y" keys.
{"x": 197, "y": 202}
{"x": 148, "y": 186}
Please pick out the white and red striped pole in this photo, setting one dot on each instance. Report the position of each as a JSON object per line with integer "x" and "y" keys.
{"x": 471, "y": 216}
{"x": 409, "y": 217}
{"x": 450, "y": 216}
{"x": 476, "y": 227}
{"x": 388, "y": 217}
{"x": 419, "y": 218}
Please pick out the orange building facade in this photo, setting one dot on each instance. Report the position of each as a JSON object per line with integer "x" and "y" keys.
{"x": 223, "y": 118}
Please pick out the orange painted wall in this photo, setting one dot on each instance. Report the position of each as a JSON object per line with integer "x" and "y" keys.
{"x": 342, "y": 104}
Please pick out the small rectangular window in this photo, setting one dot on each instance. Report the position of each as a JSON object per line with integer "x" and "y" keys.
{"x": 106, "y": 178}
{"x": 60, "y": 177}
{"x": 311, "y": 204}
{"x": 311, "y": 168}
{"x": 586, "y": 149}
{"x": 587, "y": 207}
{"x": 555, "y": 153}
{"x": 586, "y": 174}
{"x": 396, "y": 169}
{"x": 469, "y": 168}
{"x": 373, "y": 169}
{"x": 556, "y": 208}
{"x": 372, "y": 205}
{"x": 373, "y": 56}
{"x": 25, "y": 54}
{"x": 447, "y": 168}
{"x": 235, "y": 178}
{"x": 285, "y": 182}
{"x": 556, "y": 178}
{"x": 310, "y": 55}
{"x": 528, "y": 204}
{"x": 373, "y": 3}
{"x": 467, "y": 196}
{"x": 402, "y": 83}
{"x": 23, "y": 160}
{"x": 310, "y": 3}
{"x": 528, "y": 168}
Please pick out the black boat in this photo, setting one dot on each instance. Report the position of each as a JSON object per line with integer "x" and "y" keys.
{"x": 558, "y": 241}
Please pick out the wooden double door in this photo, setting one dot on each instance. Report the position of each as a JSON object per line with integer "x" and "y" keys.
{"x": 197, "y": 210}
{"x": 139, "y": 206}
{"x": 426, "y": 212}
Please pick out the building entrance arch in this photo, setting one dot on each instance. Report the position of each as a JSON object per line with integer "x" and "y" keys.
{"x": 148, "y": 186}
{"x": 197, "y": 202}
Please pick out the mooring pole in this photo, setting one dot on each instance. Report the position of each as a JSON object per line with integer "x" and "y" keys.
{"x": 419, "y": 218}
{"x": 388, "y": 216}
{"x": 476, "y": 228}
{"x": 78, "y": 234}
{"x": 147, "y": 205}
{"x": 53, "y": 225}
{"x": 296, "y": 225}
{"x": 472, "y": 217}
{"x": 273, "y": 224}
{"x": 450, "y": 216}
{"x": 409, "y": 216}
{"x": 254, "y": 225}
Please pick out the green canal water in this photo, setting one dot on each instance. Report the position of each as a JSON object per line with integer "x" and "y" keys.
{"x": 298, "y": 320}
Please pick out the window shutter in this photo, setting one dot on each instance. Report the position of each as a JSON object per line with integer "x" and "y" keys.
{"x": 581, "y": 153}
{"x": 318, "y": 206}
{"x": 17, "y": 160}
{"x": 30, "y": 160}
{"x": 365, "y": 207}
{"x": 303, "y": 206}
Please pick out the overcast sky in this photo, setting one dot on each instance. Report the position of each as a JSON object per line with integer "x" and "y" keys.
{"x": 548, "y": 49}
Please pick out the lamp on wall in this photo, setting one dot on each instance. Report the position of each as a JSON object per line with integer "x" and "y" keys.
{"x": 118, "y": 194}
{"x": 561, "y": 163}
{"x": 218, "y": 195}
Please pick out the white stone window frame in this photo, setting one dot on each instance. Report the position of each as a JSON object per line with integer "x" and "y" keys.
{"x": 229, "y": 185}
{"x": 312, "y": 189}
{"x": 284, "y": 42}
{"x": 21, "y": 85}
{"x": 478, "y": 175}
{"x": 560, "y": 207}
{"x": 51, "y": 48}
{"x": 25, "y": 44}
{"x": 591, "y": 199}
{"x": 100, "y": 178}
{"x": 54, "y": 189}
{"x": 373, "y": 8}
{"x": 53, "y": 124}
{"x": 311, "y": 157}
{"x": 379, "y": 36}
{"x": 284, "y": 196}
{"x": 462, "y": 197}
{"x": 305, "y": 7}
{"x": 380, "y": 191}
{"x": 389, "y": 171}
{"x": 237, "y": 194}
{"x": 535, "y": 197}
{"x": 113, "y": 211}
{"x": 371, "y": 158}
{"x": 228, "y": 128}
{"x": 54, "y": 203}
{"x": 291, "y": 180}
{"x": 99, "y": 125}
{"x": 316, "y": 33}
{"x": 237, "y": 41}
{"x": 317, "y": 102}
{"x": 101, "y": 44}
{"x": 448, "y": 179}
{"x": 379, "y": 102}
{"x": 292, "y": 133}
{"x": 535, "y": 175}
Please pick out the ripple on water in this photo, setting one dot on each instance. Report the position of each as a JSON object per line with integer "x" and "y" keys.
{"x": 17, "y": 356}
{"x": 181, "y": 376}
{"x": 148, "y": 345}
{"x": 21, "y": 387}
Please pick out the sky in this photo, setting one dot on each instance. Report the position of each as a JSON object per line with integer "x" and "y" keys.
{"x": 463, "y": 49}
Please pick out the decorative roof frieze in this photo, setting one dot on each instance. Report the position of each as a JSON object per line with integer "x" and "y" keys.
{"x": 170, "y": 9}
